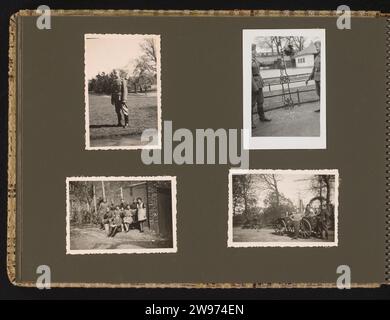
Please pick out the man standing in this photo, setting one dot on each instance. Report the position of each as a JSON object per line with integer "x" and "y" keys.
{"x": 119, "y": 98}
{"x": 316, "y": 72}
{"x": 133, "y": 210}
{"x": 103, "y": 209}
{"x": 257, "y": 89}
{"x": 123, "y": 204}
{"x": 323, "y": 218}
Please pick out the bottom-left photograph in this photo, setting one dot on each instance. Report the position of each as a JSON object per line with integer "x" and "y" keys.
{"x": 120, "y": 215}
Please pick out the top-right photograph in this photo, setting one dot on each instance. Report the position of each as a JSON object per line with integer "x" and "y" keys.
{"x": 284, "y": 89}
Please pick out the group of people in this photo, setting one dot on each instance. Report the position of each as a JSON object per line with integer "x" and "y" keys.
{"x": 123, "y": 217}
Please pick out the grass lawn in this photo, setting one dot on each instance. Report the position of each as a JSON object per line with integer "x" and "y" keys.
{"x": 103, "y": 120}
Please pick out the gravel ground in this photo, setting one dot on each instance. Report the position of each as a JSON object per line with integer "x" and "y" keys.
{"x": 300, "y": 121}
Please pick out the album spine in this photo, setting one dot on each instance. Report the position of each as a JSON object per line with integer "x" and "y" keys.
{"x": 387, "y": 156}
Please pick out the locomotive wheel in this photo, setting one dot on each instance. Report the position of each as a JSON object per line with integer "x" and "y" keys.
{"x": 305, "y": 229}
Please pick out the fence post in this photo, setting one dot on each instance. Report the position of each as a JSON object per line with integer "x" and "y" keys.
{"x": 299, "y": 100}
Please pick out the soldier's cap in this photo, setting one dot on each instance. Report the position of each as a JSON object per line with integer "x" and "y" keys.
{"x": 317, "y": 40}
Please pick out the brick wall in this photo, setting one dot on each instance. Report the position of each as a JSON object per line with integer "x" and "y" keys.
{"x": 152, "y": 200}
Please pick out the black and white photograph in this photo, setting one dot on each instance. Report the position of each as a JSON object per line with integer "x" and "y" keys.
{"x": 121, "y": 215}
{"x": 283, "y": 208}
{"x": 122, "y": 91}
{"x": 284, "y": 89}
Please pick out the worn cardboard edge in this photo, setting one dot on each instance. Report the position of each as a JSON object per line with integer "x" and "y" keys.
{"x": 205, "y": 13}
{"x": 11, "y": 201}
{"x": 387, "y": 158}
{"x": 208, "y": 285}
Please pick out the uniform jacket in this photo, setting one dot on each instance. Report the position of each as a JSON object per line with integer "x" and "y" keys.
{"x": 119, "y": 91}
{"x": 296, "y": 217}
{"x": 316, "y": 72}
{"x": 107, "y": 217}
{"x": 103, "y": 208}
{"x": 117, "y": 220}
{"x": 257, "y": 80}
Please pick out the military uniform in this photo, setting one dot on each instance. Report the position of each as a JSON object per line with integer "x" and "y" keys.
{"x": 123, "y": 205}
{"x": 119, "y": 99}
{"x": 103, "y": 209}
{"x": 133, "y": 210}
{"x": 296, "y": 220}
{"x": 316, "y": 73}
{"x": 257, "y": 90}
{"x": 323, "y": 219}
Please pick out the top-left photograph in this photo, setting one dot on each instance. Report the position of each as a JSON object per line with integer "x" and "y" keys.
{"x": 122, "y": 91}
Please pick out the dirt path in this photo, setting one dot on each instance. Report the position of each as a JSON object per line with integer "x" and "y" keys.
{"x": 89, "y": 238}
{"x": 299, "y": 121}
{"x": 268, "y": 235}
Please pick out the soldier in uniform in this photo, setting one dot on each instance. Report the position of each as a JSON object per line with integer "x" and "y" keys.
{"x": 133, "y": 210}
{"x": 123, "y": 204}
{"x": 323, "y": 218}
{"x": 316, "y": 71}
{"x": 296, "y": 220}
{"x": 257, "y": 89}
{"x": 119, "y": 98}
{"x": 103, "y": 209}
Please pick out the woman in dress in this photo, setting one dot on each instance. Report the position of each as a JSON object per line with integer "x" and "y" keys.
{"x": 127, "y": 218}
{"x": 141, "y": 214}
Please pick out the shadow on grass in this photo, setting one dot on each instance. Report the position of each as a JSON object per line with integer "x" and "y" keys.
{"x": 103, "y": 126}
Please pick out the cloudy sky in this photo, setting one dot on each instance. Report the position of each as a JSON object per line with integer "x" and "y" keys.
{"x": 103, "y": 54}
{"x": 262, "y": 47}
{"x": 293, "y": 186}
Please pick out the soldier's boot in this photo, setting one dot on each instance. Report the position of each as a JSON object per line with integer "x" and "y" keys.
{"x": 119, "y": 120}
{"x": 126, "y": 121}
{"x": 260, "y": 111}
{"x": 252, "y": 115}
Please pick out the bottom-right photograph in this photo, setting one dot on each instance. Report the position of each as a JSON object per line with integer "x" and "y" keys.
{"x": 283, "y": 208}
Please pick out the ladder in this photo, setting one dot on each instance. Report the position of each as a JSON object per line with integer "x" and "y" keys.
{"x": 284, "y": 78}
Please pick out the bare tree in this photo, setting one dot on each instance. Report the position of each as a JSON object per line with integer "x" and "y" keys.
{"x": 322, "y": 185}
{"x": 243, "y": 194}
{"x": 82, "y": 197}
{"x": 267, "y": 42}
{"x": 270, "y": 182}
{"x": 298, "y": 43}
{"x": 149, "y": 48}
